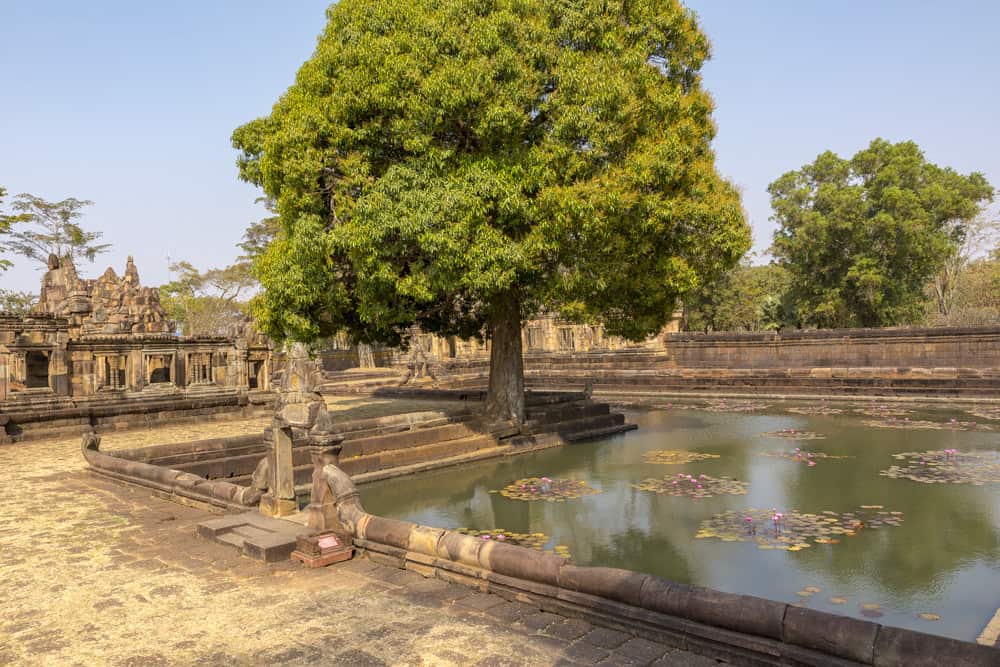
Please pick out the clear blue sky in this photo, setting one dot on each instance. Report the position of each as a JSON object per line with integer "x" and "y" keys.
{"x": 131, "y": 104}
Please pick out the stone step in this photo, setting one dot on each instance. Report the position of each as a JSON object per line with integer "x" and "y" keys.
{"x": 534, "y": 399}
{"x": 412, "y": 455}
{"x": 357, "y": 386}
{"x": 470, "y": 457}
{"x": 571, "y": 426}
{"x": 359, "y": 374}
{"x": 789, "y": 385}
{"x": 359, "y": 428}
{"x": 404, "y": 439}
{"x": 361, "y": 465}
{"x": 564, "y": 412}
{"x": 593, "y": 434}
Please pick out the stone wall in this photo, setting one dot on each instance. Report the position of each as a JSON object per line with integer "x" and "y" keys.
{"x": 945, "y": 362}
{"x": 944, "y": 347}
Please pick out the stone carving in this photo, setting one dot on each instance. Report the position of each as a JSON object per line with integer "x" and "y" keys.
{"x": 107, "y": 305}
{"x": 300, "y": 419}
{"x": 91, "y": 441}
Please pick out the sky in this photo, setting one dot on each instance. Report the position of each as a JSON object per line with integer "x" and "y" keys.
{"x": 131, "y": 104}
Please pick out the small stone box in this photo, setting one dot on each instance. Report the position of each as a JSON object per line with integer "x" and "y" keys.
{"x": 323, "y": 549}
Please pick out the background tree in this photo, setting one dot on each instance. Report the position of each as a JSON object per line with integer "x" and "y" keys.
{"x": 18, "y": 303}
{"x": 861, "y": 238}
{"x": 745, "y": 298}
{"x": 947, "y": 288}
{"x": 55, "y": 230}
{"x": 975, "y": 299}
{"x": 460, "y": 165}
{"x": 207, "y": 303}
{"x": 6, "y": 222}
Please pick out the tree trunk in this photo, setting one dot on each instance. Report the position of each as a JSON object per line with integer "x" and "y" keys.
{"x": 505, "y": 397}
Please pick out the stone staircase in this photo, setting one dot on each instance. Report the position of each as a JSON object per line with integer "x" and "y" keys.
{"x": 358, "y": 380}
{"x": 572, "y": 416}
{"x": 382, "y": 447}
{"x": 368, "y": 457}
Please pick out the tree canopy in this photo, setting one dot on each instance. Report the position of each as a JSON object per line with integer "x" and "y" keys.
{"x": 54, "y": 230}
{"x": 861, "y": 238}
{"x": 461, "y": 165}
{"x": 17, "y": 302}
{"x": 745, "y": 298}
{"x": 207, "y": 303}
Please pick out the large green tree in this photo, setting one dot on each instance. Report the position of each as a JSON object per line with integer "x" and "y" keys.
{"x": 862, "y": 237}
{"x": 53, "y": 229}
{"x": 461, "y": 165}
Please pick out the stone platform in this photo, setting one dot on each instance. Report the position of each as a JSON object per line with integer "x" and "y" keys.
{"x": 256, "y": 536}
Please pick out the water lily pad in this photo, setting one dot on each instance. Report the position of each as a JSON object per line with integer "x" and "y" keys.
{"x": 792, "y": 530}
{"x": 800, "y": 455}
{"x": 693, "y": 486}
{"x": 675, "y": 456}
{"x": 985, "y": 412}
{"x": 883, "y": 410}
{"x": 948, "y": 466}
{"x": 816, "y": 410}
{"x": 793, "y": 434}
{"x": 734, "y": 406}
{"x": 545, "y": 488}
{"x": 923, "y": 424}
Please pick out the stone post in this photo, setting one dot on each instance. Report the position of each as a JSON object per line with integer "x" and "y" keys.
{"x": 280, "y": 498}
{"x": 322, "y": 512}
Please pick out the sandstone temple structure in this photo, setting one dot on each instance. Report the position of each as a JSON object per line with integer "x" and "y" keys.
{"x": 89, "y": 344}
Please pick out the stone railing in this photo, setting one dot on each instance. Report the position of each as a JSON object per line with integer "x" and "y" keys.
{"x": 738, "y": 628}
{"x": 125, "y": 466}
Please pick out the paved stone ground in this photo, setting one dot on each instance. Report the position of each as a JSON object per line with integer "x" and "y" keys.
{"x": 97, "y": 573}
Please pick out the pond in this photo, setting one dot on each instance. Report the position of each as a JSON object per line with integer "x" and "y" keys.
{"x": 855, "y": 536}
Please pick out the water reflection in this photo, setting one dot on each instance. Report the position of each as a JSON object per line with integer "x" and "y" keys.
{"x": 943, "y": 559}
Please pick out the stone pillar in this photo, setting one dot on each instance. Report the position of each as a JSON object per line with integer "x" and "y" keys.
{"x": 322, "y": 512}
{"x": 365, "y": 357}
{"x": 280, "y": 498}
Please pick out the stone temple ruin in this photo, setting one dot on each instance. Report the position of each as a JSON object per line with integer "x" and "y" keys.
{"x": 97, "y": 350}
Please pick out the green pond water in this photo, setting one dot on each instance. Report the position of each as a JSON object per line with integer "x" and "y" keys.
{"x": 943, "y": 558}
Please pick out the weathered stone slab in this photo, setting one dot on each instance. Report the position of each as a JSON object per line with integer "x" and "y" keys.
{"x": 256, "y": 536}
